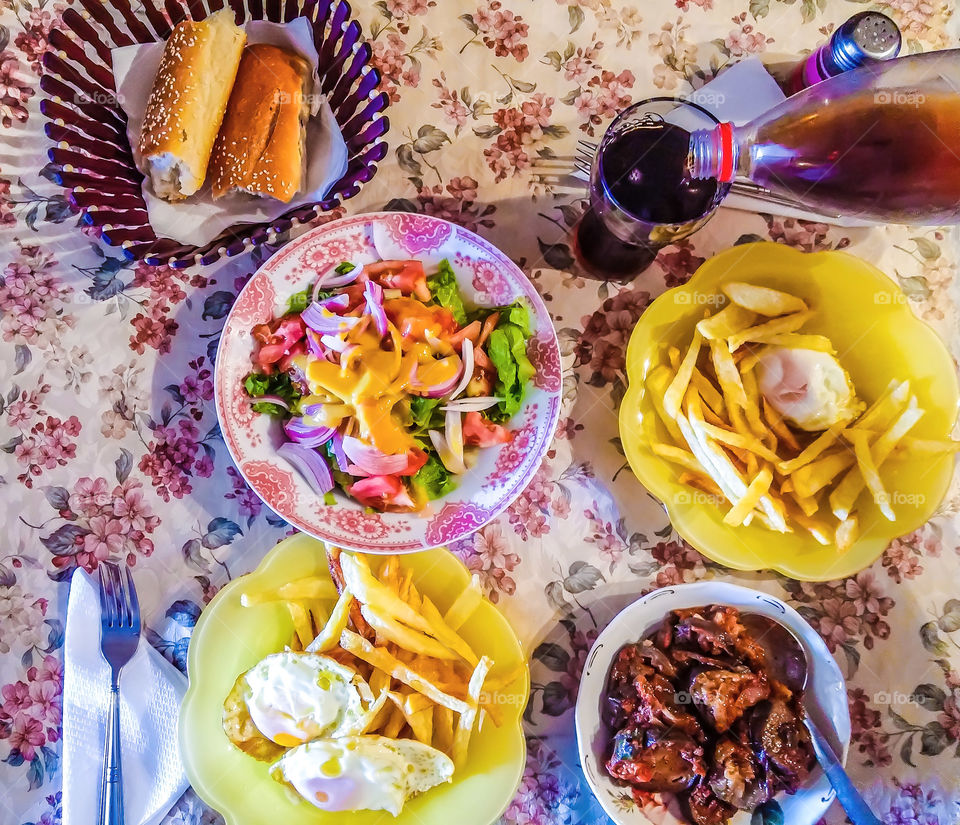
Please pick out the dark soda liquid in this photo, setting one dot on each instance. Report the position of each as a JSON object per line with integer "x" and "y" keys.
{"x": 644, "y": 173}
{"x": 891, "y": 155}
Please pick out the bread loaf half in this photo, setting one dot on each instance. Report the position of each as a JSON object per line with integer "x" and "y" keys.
{"x": 187, "y": 102}
{"x": 260, "y": 148}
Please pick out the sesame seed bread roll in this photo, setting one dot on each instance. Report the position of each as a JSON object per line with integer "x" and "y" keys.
{"x": 260, "y": 148}
{"x": 187, "y": 103}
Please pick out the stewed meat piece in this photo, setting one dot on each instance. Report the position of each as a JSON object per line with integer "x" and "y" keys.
{"x": 723, "y": 695}
{"x": 737, "y": 777}
{"x": 656, "y": 760}
{"x": 783, "y": 740}
{"x": 706, "y": 809}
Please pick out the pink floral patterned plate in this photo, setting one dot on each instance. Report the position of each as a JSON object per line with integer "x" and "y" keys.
{"x": 487, "y": 277}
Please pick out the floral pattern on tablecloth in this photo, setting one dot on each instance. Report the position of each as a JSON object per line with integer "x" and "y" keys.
{"x": 111, "y": 448}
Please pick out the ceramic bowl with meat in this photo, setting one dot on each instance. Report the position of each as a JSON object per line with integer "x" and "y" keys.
{"x": 682, "y": 717}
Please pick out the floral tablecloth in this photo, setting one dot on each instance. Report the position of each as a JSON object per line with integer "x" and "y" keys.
{"x": 110, "y": 446}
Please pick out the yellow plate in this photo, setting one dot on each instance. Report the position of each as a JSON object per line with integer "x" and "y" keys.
{"x": 877, "y": 338}
{"x": 230, "y": 638}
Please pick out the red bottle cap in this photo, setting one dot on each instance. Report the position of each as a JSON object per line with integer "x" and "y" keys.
{"x": 725, "y": 133}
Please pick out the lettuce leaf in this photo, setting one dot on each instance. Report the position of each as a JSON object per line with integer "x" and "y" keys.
{"x": 445, "y": 291}
{"x": 257, "y": 384}
{"x": 425, "y": 413}
{"x": 434, "y": 479}
{"x": 507, "y": 350}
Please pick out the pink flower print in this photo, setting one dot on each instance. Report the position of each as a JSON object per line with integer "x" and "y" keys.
{"x": 839, "y": 622}
{"x": 90, "y": 496}
{"x": 15, "y": 90}
{"x": 577, "y": 68}
{"x": 745, "y": 40}
{"x": 502, "y": 30}
{"x": 196, "y": 388}
{"x": 7, "y": 216}
{"x": 46, "y": 704}
{"x": 950, "y": 718}
{"x": 104, "y": 539}
{"x": 49, "y": 670}
{"x": 407, "y": 8}
{"x": 132, "y": 512}
{"x": 16, "y": 700}
{"x": 26, "y": 736}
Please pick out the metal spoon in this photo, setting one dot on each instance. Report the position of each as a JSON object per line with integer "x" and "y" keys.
{"x": 788, "y": 663}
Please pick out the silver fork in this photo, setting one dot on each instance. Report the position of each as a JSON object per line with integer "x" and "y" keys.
{"x": 119, "y": 636}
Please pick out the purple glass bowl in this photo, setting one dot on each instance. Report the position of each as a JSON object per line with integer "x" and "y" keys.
{"x": 88, "y": 127}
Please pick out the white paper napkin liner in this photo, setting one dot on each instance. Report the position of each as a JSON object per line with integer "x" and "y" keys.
{"x": 199, "y": 219}
{"x": 151, "y": 690}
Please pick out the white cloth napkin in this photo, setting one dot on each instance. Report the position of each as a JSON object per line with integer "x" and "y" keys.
{"x": 199, "y": 219}
{"x": 151, "y": 690}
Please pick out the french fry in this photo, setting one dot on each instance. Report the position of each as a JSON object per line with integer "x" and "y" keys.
{"x": 403, "y": 591}
{"x": 443, "y": 729}
{"x": 673, "y": 397}
{"x": 741, "y": 440}
{"x": 868, "y": 469}
{"x": 928, "y": 446}
{"x": 673, "y": 356}
{"x": 336, "y": 573}
{"x": 701, "y": 482}
{"x": 391, "y": 630}
{"x": 762, "y": 299}
{"x": 381, "y": 658}
{"x": 380, "y": 685}
{"x": 329, "y": 636}
{"x": 394, "y": 724}
{"x": 711, "y": 396}
{"x": 444, "y": 634}
{"x": 461, "y": 736}
{"x": 847, "y": 533}
{"x": 777, "y": 425}
{"x": 731, "y": 319}
{"x": 756, "y": 490}
{"x": 417, "y": 710}
{"x": 389, "y": 574}
{"x": 657, "y": 381}
{"x": 301, "y": 624}
{"x": 881, "y": 413}
{"x": 299, "y": 590}
{"x": 728, "y": 375}
{"x": 762, "y": 333}
{"x": 817, "y": 528}
{"x": 845, "y": 494}
{"x": 677, "y": 455}
{"x": 808, "y": 504}
{"x": 814, "y": 476}
{"x": 812, "y": 451}
{"x": 464, "y": 605}
{"x": 794, "y": 340}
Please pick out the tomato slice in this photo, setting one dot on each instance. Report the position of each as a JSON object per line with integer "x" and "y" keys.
{"x": 407, "y": 276}
{"x": 376, "y": 491}
{"x": 479, "y": 432}
{"x": 416, "y": 458}
{"x": 416, "y": 322}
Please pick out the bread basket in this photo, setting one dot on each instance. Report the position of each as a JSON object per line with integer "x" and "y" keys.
{"x": 88, "y": 127}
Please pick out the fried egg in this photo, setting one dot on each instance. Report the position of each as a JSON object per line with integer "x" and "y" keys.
{"x": 295, "y": 697}
{"x": 357, "y": 773}
{"x": 807, "y": 387}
